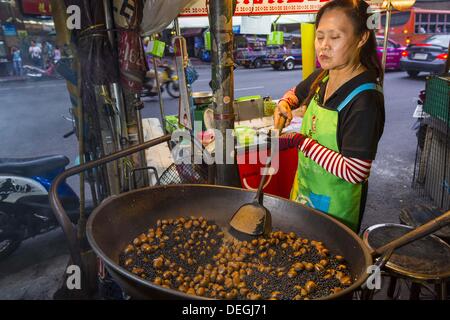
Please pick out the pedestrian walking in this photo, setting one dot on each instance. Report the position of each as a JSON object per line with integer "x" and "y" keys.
{"x": 35, "y": 54}
{"x": 57, "y": 55}
{"x": 48, "y": 53}
{"x": 17, "y": 61}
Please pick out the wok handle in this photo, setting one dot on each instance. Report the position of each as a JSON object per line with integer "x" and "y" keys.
{"x": 58, "y": 209}
{"x": 418, "y": 233}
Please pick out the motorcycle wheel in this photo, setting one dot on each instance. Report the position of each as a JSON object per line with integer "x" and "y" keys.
{"x": 9, "y": 241}
{"x": 58, "y": 76}
{"x": 173, "y": 89}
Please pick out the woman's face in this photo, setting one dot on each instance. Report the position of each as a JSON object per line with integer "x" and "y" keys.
{"x": 336, "y": 43}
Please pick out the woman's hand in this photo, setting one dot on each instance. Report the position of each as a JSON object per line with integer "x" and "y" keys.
{"x": 282, "y": 113}
{"x": 300, "y": 112}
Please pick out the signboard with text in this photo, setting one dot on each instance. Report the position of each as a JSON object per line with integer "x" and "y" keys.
{"x": 260, "y": 7}
{"x": 36, "y": 7}
{"x": 263, "y": 7}
{"x": 9, "y": 29}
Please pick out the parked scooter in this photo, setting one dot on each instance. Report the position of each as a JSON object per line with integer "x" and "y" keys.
{"x": 420, "y": 126}
{"x": 36, "y": 73}
{"x": 168, "y": 80}
{"x": 25, "y": 210}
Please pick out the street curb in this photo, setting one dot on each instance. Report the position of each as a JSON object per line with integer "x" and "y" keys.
{"x": 12, "y": 79}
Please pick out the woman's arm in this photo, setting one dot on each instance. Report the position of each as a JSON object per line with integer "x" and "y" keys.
{"x": 293, "y": 98}
{"x": 352, "y": 170}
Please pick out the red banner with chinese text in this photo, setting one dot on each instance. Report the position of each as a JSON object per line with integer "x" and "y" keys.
{"x": 264, "y": 7}
{"x": 36, "y": 7}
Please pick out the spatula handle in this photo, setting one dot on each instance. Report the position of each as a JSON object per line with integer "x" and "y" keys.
{"x": 260, "y": 194}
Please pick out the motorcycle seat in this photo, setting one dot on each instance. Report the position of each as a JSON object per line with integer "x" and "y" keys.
{"x": 30, "y": 167}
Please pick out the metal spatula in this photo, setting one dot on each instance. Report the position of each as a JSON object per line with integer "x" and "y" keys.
{"x": 253, "y": 218}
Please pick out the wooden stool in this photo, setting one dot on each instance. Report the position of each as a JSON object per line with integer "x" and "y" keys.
{"x": 423, "y": 261}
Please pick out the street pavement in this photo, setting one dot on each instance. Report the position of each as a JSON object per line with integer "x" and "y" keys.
{"x": 32, "y": 124}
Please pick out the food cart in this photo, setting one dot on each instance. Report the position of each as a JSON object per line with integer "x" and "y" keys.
{"x": 118, "y": 219}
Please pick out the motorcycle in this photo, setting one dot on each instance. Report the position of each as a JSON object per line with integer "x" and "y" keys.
{"x": 168, "y": 80}
{"x": 420, "y": 127}
{"x": 25, "y": 210}
{"x": 36, "y": 73}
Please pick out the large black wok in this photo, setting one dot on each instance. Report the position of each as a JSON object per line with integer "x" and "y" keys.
{"x": 120, "y": 218}
{"x": 116, "y": 222}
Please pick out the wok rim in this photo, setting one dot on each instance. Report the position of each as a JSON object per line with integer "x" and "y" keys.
{"x": 175, "y": 293}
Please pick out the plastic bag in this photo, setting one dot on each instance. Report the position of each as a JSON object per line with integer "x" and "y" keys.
{"x": 191, "y": 73}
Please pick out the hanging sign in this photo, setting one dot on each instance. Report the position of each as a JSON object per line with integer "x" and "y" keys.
{"x": 259, "y": 7}
{"x": 207, "y": 38}
{"x": 263, "y": 7}
{"x": 9, "y": 29}
{"x": 156, "y": 48}
{"x": 36, "y": 7}
{"x": 275, "y": 38}
{"x": 22, "y": 33}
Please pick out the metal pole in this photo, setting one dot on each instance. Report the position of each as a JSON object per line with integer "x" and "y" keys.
{"x": 139, "y": 105}
{"x": 177, "y": 27}
{"x": 386, "y": 33}
{"x": 117, "y": 92}
{"x": 222, "y": 83}
{"x": 161, "y": 103}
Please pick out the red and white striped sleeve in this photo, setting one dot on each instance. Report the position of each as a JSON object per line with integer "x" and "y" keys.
{"x": 350, "y": 169}
{"x": 291, "y": 98}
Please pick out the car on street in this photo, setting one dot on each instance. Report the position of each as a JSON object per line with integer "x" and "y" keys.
{"x": 394, "y": 53}
{"x": 429, "y": 55}
{"x": 282, "y": 58}
{"x": 251, "y": 58}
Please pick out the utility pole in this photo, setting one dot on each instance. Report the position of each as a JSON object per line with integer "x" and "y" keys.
{"x": 222, "y": 84}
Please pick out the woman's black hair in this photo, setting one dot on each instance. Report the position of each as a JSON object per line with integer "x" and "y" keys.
{"x": 357, "y": 12}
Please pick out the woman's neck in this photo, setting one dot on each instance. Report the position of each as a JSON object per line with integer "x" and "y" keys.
{"x": 345, "y": 73}
{"x": 337, "y": 77}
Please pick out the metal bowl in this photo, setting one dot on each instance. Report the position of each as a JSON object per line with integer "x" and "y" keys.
{"x": 202, "y": 97}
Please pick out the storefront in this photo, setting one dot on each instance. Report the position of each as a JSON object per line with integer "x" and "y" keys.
{"x": 20, "y": 22}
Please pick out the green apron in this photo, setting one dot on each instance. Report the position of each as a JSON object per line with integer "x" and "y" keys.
{"x": 313, "y": 185}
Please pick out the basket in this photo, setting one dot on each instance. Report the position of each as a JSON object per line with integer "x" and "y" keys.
{"x": 185, "y": 174}
{"x": 185, "y": 170}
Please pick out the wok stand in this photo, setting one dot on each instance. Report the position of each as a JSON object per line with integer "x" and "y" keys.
{"x": 60, "y": 213}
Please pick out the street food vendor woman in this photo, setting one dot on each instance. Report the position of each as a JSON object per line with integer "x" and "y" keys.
{"x": 343, "y": 114}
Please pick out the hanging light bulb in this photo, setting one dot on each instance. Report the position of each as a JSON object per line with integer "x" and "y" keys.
{"x": 400, "y": 5}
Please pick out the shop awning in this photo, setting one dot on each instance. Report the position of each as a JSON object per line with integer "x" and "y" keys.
{"x": 200, "y": 22}
{"x": 203, "y": 22}
{"x": 192, "y": 32}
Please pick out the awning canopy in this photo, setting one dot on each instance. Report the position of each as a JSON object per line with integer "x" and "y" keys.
{"x": 192, "y": 32}
{"x": 203, "y": 22}
{"x": 200, "y": 22}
